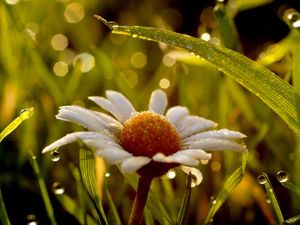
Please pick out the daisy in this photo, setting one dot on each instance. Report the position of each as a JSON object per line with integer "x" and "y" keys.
{"x": 149, "y": 142}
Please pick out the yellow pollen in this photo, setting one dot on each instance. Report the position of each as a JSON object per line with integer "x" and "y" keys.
{"x": 148, "y": 133}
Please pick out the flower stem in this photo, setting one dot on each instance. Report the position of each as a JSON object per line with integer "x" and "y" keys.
{"x": 140, "y": 200}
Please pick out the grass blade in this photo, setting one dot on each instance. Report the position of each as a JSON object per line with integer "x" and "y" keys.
{"x": 87, "y": 169}
{"x": 228, "y": 187}
{"x": 273, "y": 199}
{"x": 43, "y": 189}
{"x": 291, "y": 186}
{"x": 185, "y": 204}
{"x": 115, "y": 218}
{"x": 271, "y": 89}
{"x": 24, "y": 115}
{"x": 293, "y": 220}
{"x": 153, "y": 204}
{"x": 3, "y": 214}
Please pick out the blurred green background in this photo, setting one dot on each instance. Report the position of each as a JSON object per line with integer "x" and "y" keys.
{"x": 56, "y": 53}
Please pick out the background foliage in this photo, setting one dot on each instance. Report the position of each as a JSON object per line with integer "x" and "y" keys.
{"x": 55, "y": 53}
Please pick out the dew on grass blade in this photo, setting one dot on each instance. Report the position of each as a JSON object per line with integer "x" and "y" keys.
{"x": 292, "y": 18}
{"x": 261, "y": 179}
{"x": 31, "y": 219}
{"x": 107, "y": 174}
{"x": 55, "y": 156}
{"x": 57, "y": 188}
{"x": 282, "y": 176}
{"x": 194, "y": 181}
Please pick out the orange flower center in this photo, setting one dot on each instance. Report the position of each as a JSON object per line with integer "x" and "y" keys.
{"x": 148, "y": 133}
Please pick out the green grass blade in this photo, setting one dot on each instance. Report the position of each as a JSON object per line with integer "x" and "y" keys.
{"x": 115, "y": 218}
{"x": 271, "y": 89}
{"x": 153, "y": 204}
{"x": 3, "y": 214}
{"x": 271, "y": 195}
{"x": 291, "y": 186}
{"x": 43, "y": 189}
{"x": 24, "y": 115}
{"x": 228, "y": 187}
{"x": 87, "y": 169}
{"x": 293, "y": 220}
{"x": 182, "y": 217}
{"x": 77, "y": 211}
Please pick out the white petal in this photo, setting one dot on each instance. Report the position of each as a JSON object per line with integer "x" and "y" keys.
{"x": 193, "y": 124}
{"x": 178, "y": 158}
{"x": 220, "y": 134}
{"x": 82, "y": 116}
{"x": 69, "y": 138}
{"x": 108, "y": 106}
{"x": 160, "y": 157}
{"x": 113, "y": 155}
{"x": 123, "y": 105}
{"x": 184, "y": 159}
{"x": 195, "y": 172}
{"x": 176, "y": 113}
{"x": 158, "y": 101}
{"x": 195, "y": 153}
{"x": 134, "y": 163}
{"x": 100, "y": 144}
{"x": 211, "y": 144}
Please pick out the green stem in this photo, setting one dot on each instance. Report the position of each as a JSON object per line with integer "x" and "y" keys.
{"x": 140, "y": 200}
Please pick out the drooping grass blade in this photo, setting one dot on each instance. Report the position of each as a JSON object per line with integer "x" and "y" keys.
{"x": 271, "y": 89}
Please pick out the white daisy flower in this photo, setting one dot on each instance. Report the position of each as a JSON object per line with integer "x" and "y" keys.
{"x": 148, "y": 142}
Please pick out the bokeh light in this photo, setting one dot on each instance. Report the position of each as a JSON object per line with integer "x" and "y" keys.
{"x": 60, "y": 68}
{"x": 85, "y": 61}
{"x": 59, "y": 42}
{"x": 74, "y": 12}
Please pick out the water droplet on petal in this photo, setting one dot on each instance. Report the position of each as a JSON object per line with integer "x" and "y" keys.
{"x": 31, "y": 219}
{"x": 193, "y": 181}
{"x": 55, "y": 156}
{"x": 261, "y": 179}
{"x": 282, "y": 176}
{"x": 57, "y": 188}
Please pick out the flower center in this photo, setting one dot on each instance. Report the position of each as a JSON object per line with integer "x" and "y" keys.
{"x": 148, "y": 133}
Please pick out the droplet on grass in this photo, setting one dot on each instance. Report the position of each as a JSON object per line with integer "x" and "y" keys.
{"x": 31, "y": 219}
{"x": 282, "y": 176}
{"x": 261, "y": 179}
{"x": 57, "y": 188}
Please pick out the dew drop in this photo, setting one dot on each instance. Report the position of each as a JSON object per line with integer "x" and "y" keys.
{"x": 268, "y": 200}
{"x": 292, "y": 18}
{"x": 22, "y": 111}
{"x": 282, "y": 176}
{"x": 31, "y": 219}
{"x": 55, "y": 156}
{"x": 107, "y": 174}
{"x": 214, "y": 202}
{"x": 57, "y": 188}
{"x": 134, "y": 35}
{"x": 193, "y": 181}
{"x": 113, "y": 24}
{"x": 261, "y": 179}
